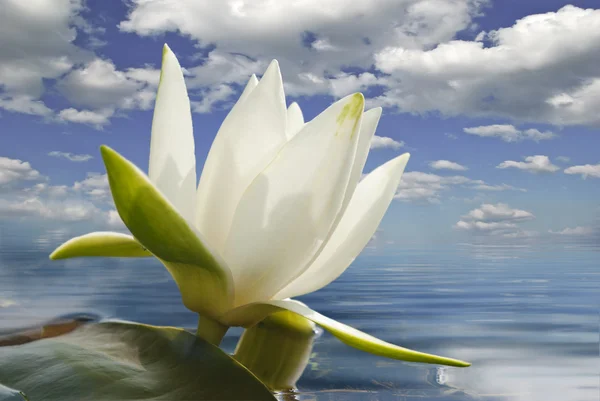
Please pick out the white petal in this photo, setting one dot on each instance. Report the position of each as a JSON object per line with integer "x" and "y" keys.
{"x": 249, "y": 138}
{"x": 249, "y": 315}
{"x": 295, "y": 120}
{"x": 252, "y": 83}
{"x": 360, "y": 221}
{"x": 172, "y": 166}
{"x": 289, "y": 209}
{"x": 367, "y": 130}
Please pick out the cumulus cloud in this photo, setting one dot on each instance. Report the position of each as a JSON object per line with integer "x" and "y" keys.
{"x": 418, "y": 186}
{"x": 313, "y": 40}
{"x": 496, "y": 219}
{"x": 508, "y": 133}
{"x": 384, "y": 142}
{"x": 43, "y": 188}
{"x": 446, "y": 165}
{"x": 94, "y": 185}
{"x": 575, "y": 231}
{"x": 500, "y": 212}
{"x": 68, "y": 210}
{"x": 404, "y": 49}
{"x": 24, "y": 104}
{"x": 71, "y": 156}
{"x": 94, "y": 118}
{"x": 532, "y": 164}
{"x": 498, "y": 187}
{"x": 13, "y": 171}
{"x": 210, "y": 97}
{"x": 45, "y": 51}
{"x": 586, "y": 170}
{"x": 530, "y": 71}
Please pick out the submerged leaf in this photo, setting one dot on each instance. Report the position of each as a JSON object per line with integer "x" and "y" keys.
{"x": 114, "y": 361}
{"x": 8, "y": 394}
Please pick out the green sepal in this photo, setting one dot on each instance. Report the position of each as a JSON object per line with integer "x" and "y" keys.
{"x": 202, "y": 276}
{"x": 251, "y": 314}
{"x": 101, "y": 244}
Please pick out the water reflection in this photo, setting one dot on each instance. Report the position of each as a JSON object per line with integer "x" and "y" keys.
{"x": 527, "y": 318}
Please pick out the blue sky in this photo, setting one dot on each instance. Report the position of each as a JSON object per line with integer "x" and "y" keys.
{"x": 497, "y": 101}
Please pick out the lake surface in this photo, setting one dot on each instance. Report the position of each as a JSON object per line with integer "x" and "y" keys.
{"x": 526, "y": 317}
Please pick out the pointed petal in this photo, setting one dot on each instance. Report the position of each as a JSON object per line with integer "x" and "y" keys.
{"x": 104, "y": 244}
{"x": 252, "y": 83}
{"x": 367, "y": 130}
{"x": 247, "y": 141}
{"x": 202, "y": 276}
{"x": 295, "y": 120}
{"x": 249, "y": 315}
{"x": 360, "y": 221}
{"x": 288, "y": 210}
{"x": 172, "y": 166}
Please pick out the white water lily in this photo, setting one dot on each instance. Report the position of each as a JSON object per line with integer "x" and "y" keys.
{"x": 278, "y": 212}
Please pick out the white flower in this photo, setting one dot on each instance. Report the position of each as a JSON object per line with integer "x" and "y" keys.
{"x": 278, "y": 211}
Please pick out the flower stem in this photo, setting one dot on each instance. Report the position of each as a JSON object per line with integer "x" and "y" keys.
{"x": 277, "y": 349}
{"x": 211, "y": 330}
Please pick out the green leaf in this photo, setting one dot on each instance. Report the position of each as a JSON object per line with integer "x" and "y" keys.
{"x": 113, "y": 361}
{"x": 249, "y": 315}
{"x": 105, "y": 244}
{"x": 203, "y": 278}
{"x": 8, "y": 394}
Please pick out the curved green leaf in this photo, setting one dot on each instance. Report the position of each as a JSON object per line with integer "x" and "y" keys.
{"x": 202, "y": 276}
{"x": 8, "y": 394}
{"x": 114, "y": 361}
{"x": 104, "y": 244}
{"x": 249, "y": 315}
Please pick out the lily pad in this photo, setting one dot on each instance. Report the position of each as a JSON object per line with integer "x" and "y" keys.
{"x": 118, "y": 361}
{"x": 8, "y": 394}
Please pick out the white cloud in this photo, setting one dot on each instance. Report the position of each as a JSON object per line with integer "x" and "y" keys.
{"x": 68, "y": 210}
{"x": 42, "y": 188}
{"x": 36, "y": 38}
{"x": 95, "y": 185}
{"x": 496, "y": 219}
{"x": 384, "y": 142}
{"x": 499, "y": 212}
{"x": 586, "y": 170}
{"x": 531, "y": 71}
{"x": 532, "y": 164}
{"x": 509, "y": 133}
{"x": 71, "y": 156}
{"x": 97, "y": 85}
{"x": 15, "y": 171}
{"x": 212, "y": 96}
{"x": 418, "y": 186}
{"x": 341, "y": 33}
{"x": 94, "y": 118}
{"x": 24, "y": 104}
{"x": 563, "y": 159}
{"x": 114, "y": 220}
{"x": 447, "y": 165}
{"x": 499, "y": 187}
{"x": 102, "y": 89}
{"x": 575, "y": 231}
{"x": 224, "y": 68}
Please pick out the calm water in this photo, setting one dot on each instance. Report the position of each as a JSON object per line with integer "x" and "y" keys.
{"x": 527, "y": 318}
